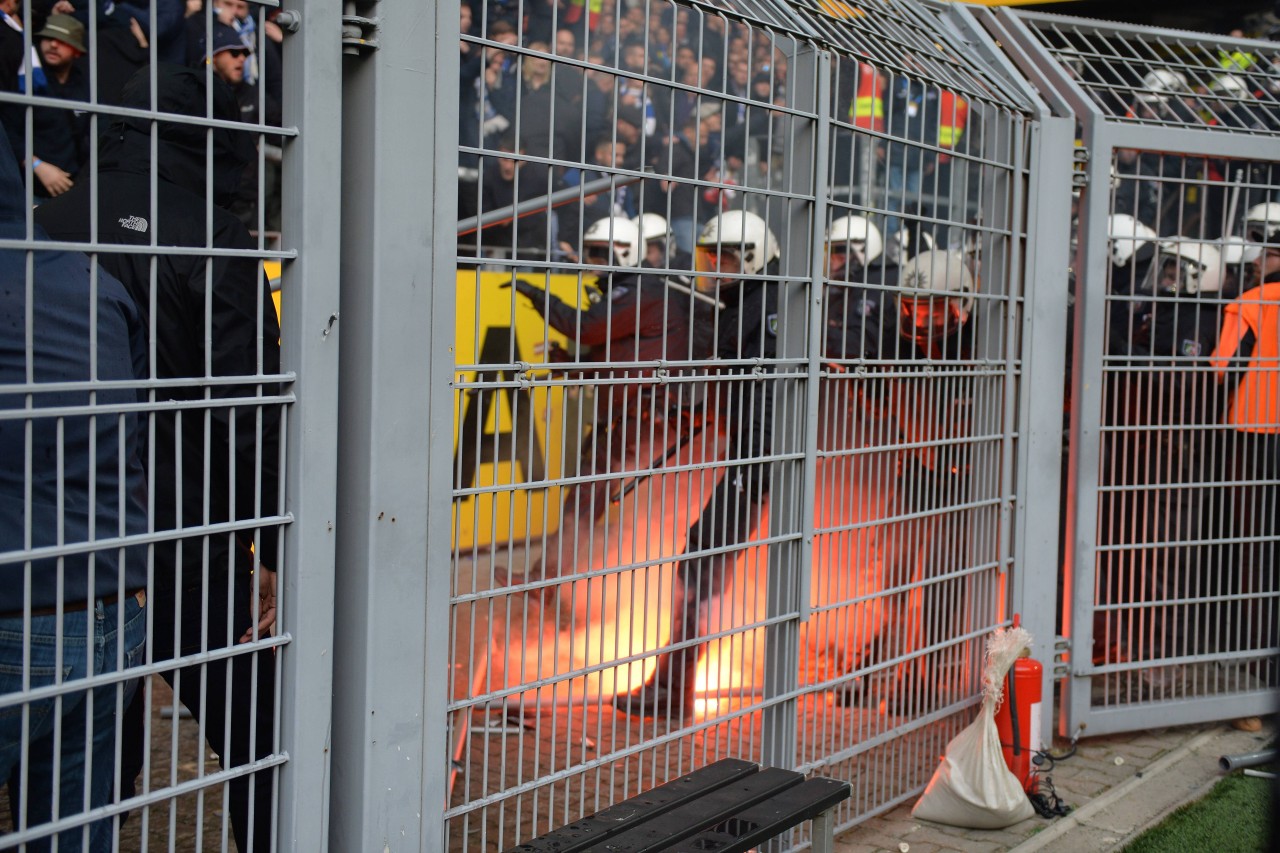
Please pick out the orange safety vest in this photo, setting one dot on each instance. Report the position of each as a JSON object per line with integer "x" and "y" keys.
{"x": 953, "y": 113}
{"x": 574, "y": 13}
{"x": 867, "y": 109}
{"x": 1256, "y": 404}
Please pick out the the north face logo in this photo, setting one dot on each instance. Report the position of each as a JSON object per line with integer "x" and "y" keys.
{"x": 134, "y": 223}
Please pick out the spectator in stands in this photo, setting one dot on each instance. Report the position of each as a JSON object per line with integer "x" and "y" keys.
{"x": 506, "y": 182}
{"x": 672, "y": 196}
{"x": 55, "y": 164}
{"x": 61, "y": 136}
{"x": 500, "y": 84}
{"x": 550, "y": 118}
{"x": 470, "y": 66}
{"x": 85, "y": 482}
{"x": 212, "y": 319}
{"x": 606, "y": 154}
{"x": 229, "y": 59}
{"x": 684, "y": 102}
{"x": 629, "y": 123}
{"x": 636, "y": 94}
{"x": 121, "y": 48}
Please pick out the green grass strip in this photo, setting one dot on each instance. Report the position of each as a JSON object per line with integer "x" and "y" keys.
{"x": 1231, "y": 819}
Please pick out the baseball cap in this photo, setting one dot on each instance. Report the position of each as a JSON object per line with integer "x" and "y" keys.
{"x": 226, "y": 38}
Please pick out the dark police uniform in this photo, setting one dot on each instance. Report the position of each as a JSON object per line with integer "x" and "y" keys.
{"x": 746, "y": 328}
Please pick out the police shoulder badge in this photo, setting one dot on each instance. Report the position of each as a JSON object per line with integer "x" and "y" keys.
{"x": 1191, "y": 348}
{"x": 771, "y": 323}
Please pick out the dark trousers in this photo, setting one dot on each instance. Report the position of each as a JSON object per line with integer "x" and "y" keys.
{"x": 235, "y": 699}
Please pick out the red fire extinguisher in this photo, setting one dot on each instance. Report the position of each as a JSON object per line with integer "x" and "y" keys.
{"x": 1018, "y": 719}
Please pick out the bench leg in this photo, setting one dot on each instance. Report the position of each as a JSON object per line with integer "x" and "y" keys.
{"x": 824, "y": 832}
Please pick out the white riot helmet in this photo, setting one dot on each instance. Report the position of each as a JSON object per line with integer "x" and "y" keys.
{"x": 1262, "y": 223}
{"x": 1160, "y": 84}
{"x": 616, "y": 233}
{"x": 1238, "y": 250}
{"x": 858, "y": 236}
{"x": 653, "y": 227}
{"x": 1188, "y": 267}
{"x": 739, "y": 233}
{"x": 655, "y": 232}
{"x": 937, "y": 295}
{"x": 1229, "y": 85}
{"x": 1129, "y": 237}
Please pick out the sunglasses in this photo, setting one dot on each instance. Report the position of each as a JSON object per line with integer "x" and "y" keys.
{"x": 240, "y": 52}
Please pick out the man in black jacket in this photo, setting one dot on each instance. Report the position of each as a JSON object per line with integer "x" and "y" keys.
{"x": 214, "y": 454}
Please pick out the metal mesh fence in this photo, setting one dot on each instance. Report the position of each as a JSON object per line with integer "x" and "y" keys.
{"x": 739, "y": 390}
{"x": 1167, "y": 78}
{"x": 142, "y": 427}
{"x": 735, "y": 368}
{"x": 1178, "y": 598}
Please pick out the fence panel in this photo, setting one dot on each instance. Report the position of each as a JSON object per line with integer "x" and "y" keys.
{"x": 1173, "y": 611}
{"x": 151, "y": 437}
{"x": 701, "y": 507}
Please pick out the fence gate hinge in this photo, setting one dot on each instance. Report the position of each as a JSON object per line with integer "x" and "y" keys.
{"x": 359, "y": 34}
{"x": 1079, "y": 166}
{"x": 1061, "y": 648}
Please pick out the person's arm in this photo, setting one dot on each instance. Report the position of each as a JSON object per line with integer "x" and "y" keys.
{"x": 1230, "y": 339}
{"x": 599, "y": 322}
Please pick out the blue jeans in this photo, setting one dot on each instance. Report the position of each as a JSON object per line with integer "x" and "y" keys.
{"x": 78, "y": 716}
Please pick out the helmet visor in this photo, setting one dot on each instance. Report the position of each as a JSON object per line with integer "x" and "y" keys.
{"x": 928, "y": 318}
{"x": 600, "y": 254}
{"x": 715, "y": 262}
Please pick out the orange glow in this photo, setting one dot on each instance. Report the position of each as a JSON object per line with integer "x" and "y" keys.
{"x": 609, "y": 627}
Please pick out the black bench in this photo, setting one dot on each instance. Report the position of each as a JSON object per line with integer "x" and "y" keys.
{"x": 731, "y": 806}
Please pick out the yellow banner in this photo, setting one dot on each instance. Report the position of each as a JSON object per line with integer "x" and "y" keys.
{"x": 511, "y": 434}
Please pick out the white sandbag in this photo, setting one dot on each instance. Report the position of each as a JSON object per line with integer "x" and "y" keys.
{"x": 973, "y": 787}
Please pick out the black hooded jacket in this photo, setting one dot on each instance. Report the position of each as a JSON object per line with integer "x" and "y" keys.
{"x": 222, "y": 299}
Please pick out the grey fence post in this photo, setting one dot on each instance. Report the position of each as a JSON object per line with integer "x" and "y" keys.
{"x": 399, "y": 183}
{"x": 795, "y": 411}
{"x": 309, "y": 350}
{"x": 1043, "y": 329}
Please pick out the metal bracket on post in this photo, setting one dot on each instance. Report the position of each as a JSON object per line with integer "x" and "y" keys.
{"x": 1079, "y": 166}
{"x": 1061, "y": 648}
{"x": 289, "y": 20}
{"x": 359, "y": 34}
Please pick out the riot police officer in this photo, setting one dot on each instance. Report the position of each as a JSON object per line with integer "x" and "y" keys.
{"x": 631, "y": 317}
{"x": 660, "y": 250}
{"x": 733, "y": 253}
{"x": 935, "y": 303}
{"x": 859, "y": 275}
